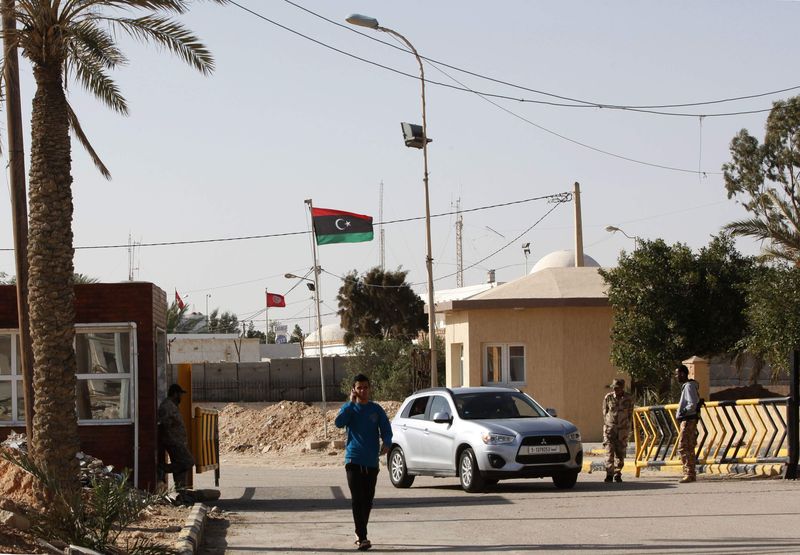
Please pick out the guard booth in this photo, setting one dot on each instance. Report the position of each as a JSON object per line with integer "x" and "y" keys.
{"x": 121, "y": 351}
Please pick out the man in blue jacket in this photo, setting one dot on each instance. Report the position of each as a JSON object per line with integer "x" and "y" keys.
{"x": 366, "y": 424}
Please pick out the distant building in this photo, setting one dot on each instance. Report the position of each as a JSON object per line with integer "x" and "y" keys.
{"x": 547, "y": 333}
{"x": 332, "y": 341}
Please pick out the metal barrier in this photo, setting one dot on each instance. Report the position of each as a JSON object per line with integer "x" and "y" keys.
{"x": 205, "y": 435}
{"x": 743, "y": 432}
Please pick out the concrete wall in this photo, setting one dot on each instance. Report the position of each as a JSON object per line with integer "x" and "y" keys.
{"x": 197, "y": 348}
{"x": 567, "y": 356}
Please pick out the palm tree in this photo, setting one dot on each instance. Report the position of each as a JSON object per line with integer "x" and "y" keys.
{"x": 72, "y": 39}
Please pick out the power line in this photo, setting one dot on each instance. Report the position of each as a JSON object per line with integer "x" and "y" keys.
{"x": 578, "y": 102}
{"x": 290, "y": 233}
{"x": 584, "y": 104}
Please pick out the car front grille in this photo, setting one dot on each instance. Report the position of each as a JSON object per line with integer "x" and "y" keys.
{"x": 545, "y": 458}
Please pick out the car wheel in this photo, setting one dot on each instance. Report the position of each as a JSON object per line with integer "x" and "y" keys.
{"x": 398, "y": 472}
{"x": 471, "y": 479}
{"x": 565, "y": 480}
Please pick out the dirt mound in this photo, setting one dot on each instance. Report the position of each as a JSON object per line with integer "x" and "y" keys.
{"x": 16, "y": 486}
{"x": 288, "y": 425}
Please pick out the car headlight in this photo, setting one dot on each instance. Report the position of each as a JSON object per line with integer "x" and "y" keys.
{"x": 490, "y": 438}
{"x": 574, "y": 436}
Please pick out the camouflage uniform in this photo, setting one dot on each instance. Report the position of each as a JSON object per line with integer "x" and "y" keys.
{"x": 617, "y": 417}
{"x": 172, "y": 433}
{"x": 687, "y": 446}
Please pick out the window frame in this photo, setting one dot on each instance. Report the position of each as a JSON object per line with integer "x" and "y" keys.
{"x": 131, "y": 375}
{"x": 505, "y": 364}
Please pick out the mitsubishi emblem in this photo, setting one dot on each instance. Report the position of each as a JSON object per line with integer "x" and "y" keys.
{"x": 544, "y": 441}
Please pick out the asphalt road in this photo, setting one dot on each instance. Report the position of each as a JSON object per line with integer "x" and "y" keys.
{"x": 307, "y": 510}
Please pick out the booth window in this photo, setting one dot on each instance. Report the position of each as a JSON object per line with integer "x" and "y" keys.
{"x": 504, "y": 364}
{"x": 106, "y": 367}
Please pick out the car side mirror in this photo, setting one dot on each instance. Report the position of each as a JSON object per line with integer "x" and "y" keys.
{"x": 551, "y": 412}
{"x": 441, "y": 417}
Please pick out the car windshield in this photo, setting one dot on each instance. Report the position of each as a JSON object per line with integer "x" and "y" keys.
{"x": 487, "y": 405}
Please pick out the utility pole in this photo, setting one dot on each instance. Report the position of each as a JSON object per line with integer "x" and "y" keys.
{"x": 19, "y": 206}
{"x": 459, "y": 245}
{"x": 381, "y": 234}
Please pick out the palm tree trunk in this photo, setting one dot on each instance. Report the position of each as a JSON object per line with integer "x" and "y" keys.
{"x": 51, "y": 296}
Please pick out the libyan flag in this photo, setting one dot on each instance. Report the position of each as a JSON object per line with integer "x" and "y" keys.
{"x": 335, "y": 226}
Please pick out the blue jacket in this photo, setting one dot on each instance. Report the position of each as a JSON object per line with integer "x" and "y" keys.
{"x": 365, "y": 424}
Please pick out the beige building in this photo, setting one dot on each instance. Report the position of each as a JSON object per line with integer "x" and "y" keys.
{"x": 547, "y": 333}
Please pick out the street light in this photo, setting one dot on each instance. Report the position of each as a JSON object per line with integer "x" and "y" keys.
{"x": 312, "y": 286}
{"x": 372, "y": 23}
{"x": 614, "y": 229}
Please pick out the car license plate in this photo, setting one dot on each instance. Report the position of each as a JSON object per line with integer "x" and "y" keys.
{"x": 542, "y": 449}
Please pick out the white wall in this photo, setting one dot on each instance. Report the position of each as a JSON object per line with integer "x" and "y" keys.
{"x": 201, "y": 347}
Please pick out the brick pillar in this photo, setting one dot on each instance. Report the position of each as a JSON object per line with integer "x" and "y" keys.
{"x": 700, "y": 372}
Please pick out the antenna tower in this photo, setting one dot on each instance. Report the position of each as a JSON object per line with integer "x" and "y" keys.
{"x": 132, "y": 266}
{"x": 459, "y": 249}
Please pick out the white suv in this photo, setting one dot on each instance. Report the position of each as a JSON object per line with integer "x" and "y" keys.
{"x": 481, "y": 435}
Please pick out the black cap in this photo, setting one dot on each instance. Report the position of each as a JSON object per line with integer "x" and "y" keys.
{"x": 175, "y": 388}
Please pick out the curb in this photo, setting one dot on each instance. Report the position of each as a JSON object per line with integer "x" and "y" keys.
{"x": 762, "y": 470}
{"x": 192, "y": 533}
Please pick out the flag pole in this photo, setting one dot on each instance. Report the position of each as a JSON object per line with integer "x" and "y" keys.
{"x": 319, "y": 319}
{"x": 266, "y": 312}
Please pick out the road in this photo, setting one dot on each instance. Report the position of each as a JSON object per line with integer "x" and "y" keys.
{"x": 291, "y": 510}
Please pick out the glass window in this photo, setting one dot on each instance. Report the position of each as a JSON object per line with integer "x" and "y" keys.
{"x": 494, "y": 364}
{"x": 104, "y": 360}
{"x": 5, "y": 355}
{"x": 516, "y": 363}
{"x": 439, "y": 404}
{"x": 6, "y": 407}
{"x": 504, "y": 364}
{"x": 417, "y": 408}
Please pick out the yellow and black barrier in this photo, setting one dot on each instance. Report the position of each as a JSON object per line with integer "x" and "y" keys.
{"x": 730, "y": 434}
{"x": 205, "y": 434}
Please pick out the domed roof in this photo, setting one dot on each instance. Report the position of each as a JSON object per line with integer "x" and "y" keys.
{"x": 331, "y": 334}
{"x": 562, "y": 259}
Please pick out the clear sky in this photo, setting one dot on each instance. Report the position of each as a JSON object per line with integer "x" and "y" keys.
{"x": 284, "y": 119}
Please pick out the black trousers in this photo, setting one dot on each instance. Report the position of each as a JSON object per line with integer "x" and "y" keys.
{"x": 361, "y": 480}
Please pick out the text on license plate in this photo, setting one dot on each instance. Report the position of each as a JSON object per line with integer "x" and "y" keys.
{"x": 542, "y": 449}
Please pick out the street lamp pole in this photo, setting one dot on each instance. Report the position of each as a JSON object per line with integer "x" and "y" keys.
{"x": 614, "y": 229}
{"x": 372, "y": 23}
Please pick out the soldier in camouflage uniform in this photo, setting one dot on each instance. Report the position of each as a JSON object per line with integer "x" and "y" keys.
{"x": 617, "y": 417}
{"x": 172, "y": 434}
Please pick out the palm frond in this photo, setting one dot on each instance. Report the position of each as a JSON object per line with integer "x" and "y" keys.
{"x": 90, "y": 74}
{"x": 170, "y": 34}
{"x": 75, "y": 125}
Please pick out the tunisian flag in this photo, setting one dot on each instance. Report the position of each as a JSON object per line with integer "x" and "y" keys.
{"x": 273, "y": 299}
{"x": 179, "y": 301}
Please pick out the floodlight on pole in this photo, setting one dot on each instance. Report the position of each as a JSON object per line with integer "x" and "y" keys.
{"x": 372, "y": 23}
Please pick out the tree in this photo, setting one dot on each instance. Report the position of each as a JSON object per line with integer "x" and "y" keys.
{"x": 253, "y": 332}
{"x": 297, "y": 335}
{"x": 222, "y": 323}
{"x": 765, "y": 176}
{"x": 773, "y": 315}
{"x": 75, "y": 39}
{"x": 387, "y": 362}
{"x": 380, "y": 304}
{"x": 670, "y": 304}
{"x": 176, "y": 318}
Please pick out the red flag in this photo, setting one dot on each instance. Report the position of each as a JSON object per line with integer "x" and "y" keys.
{"x": 179, "y": 301}
{"x": 273, "y": 299}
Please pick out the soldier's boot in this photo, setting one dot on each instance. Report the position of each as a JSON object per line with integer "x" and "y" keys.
{"x": 609, "y": 478}
{"x": 618, "y": 477}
